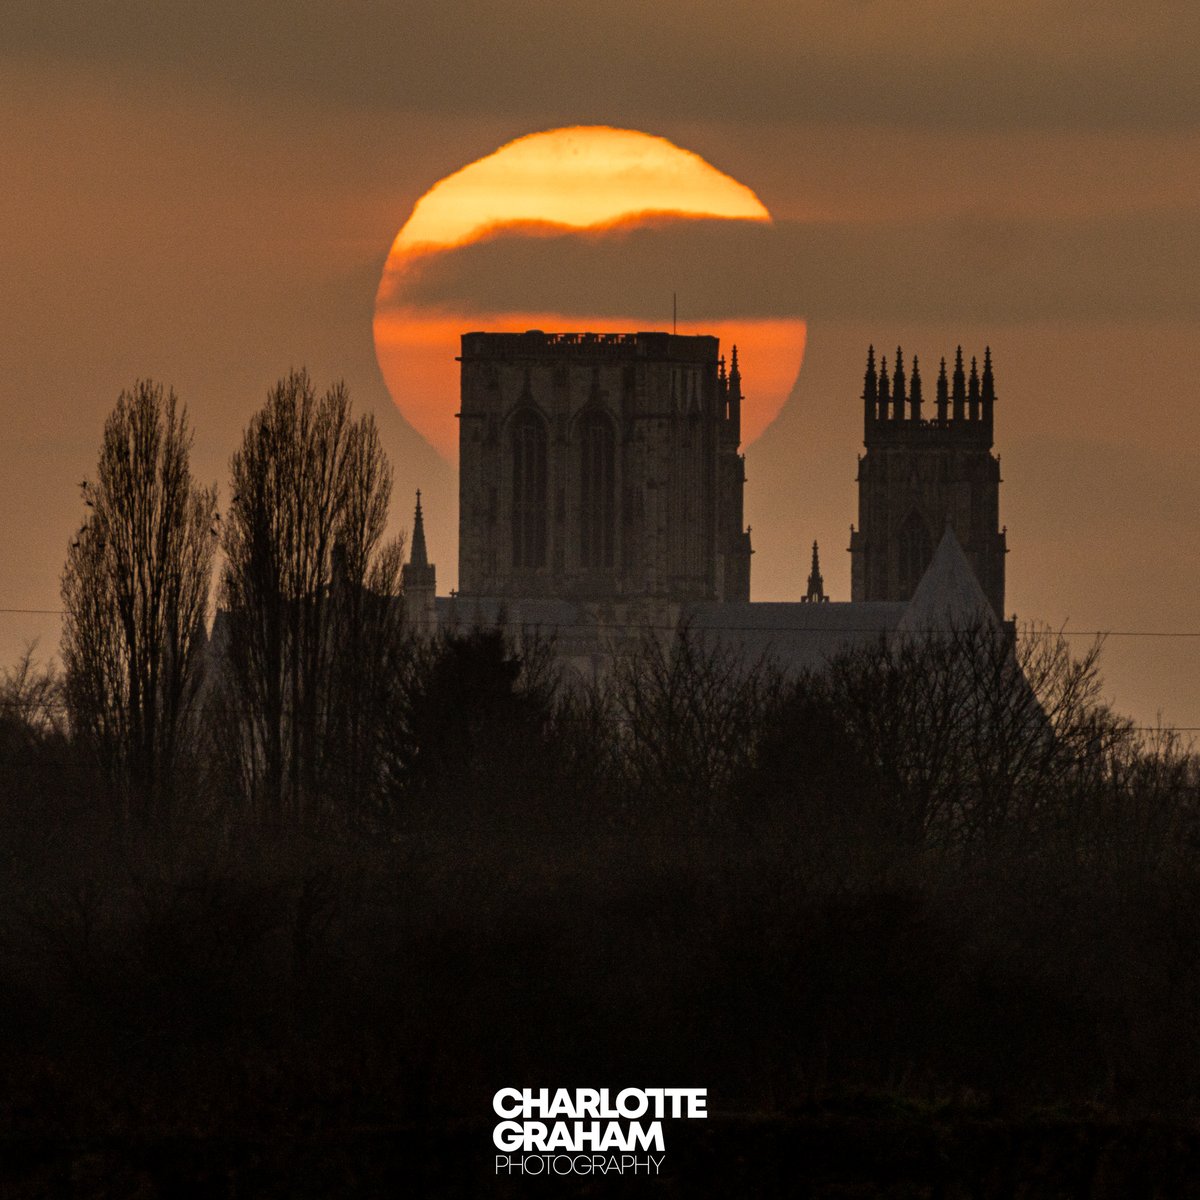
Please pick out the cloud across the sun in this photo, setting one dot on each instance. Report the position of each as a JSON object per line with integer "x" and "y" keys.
{"x": 992, "y": 268}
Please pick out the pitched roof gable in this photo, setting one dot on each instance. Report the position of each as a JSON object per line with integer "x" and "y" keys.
{"x": 949, "y": 596}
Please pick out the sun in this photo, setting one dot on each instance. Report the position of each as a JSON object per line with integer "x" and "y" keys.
{"x": 578, "y": 178}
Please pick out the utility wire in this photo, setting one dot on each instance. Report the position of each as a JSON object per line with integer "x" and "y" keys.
{"x": 768, "y": 629}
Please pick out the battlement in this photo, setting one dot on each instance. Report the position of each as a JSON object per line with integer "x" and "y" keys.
{"x": 964, "y": 405}
{"x": 535, "y": 344}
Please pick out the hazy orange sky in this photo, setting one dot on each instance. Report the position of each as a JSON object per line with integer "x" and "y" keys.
{"x": 207, "y": 194}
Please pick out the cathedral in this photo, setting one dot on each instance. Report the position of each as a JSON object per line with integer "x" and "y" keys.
{"x": 601, "y": 498}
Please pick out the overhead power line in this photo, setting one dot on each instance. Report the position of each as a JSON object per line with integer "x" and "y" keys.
{"x": 778, "y": 628}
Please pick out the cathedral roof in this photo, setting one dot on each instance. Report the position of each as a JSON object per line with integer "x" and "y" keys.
{"x": 948, "y": 596}
{"x": 793, "y": 636}
{"x": 547, "y": 616}
{"x": 797, "y": 637}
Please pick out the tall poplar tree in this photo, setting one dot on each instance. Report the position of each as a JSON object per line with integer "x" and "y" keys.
{"x": 135, "y": 591}
{"x": 310, "y": 604}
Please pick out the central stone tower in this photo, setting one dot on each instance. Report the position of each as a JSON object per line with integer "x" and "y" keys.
{"x": 922, "y": 472}
{"x": 601, "y": 468}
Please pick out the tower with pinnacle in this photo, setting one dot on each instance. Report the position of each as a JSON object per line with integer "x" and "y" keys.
{"x": 925, "y": 470}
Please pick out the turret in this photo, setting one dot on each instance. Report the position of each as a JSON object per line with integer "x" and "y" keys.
{"x": 914, "y": 394}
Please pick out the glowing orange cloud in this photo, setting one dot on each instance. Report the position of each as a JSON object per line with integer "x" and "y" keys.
{"x": 581, "y": 178}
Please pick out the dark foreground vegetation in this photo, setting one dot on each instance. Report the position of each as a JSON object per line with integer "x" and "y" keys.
{"x": 280, "y": 911}
{"x": 888, "y": 959}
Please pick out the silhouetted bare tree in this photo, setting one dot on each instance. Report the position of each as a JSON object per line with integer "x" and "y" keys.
{"x": 135, "y": 589}
{"x": 310, "y": 599}
{"x": 31, "y": 699}
{"x": 973, "y": 736}
{"x": 688, "y": 716}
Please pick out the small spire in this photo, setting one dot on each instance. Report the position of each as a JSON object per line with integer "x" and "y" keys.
{"x": 721, "y": 376}
{"x": 973, "y": 391}
{"x": 419, "y": 581}
{"x": 734, "y": 397}
{"x": 884, "y": 387}
{"x": 870, "y": 379}
{"x": 898, "y": 392}
{"x": 943, "y": 392}
{"x": 816, "y": 584}
{"x": 870, "y": 392}
{"x": 989, "y": 384}
{"x": 959, "y": 392}
{"x": 419, "y": 556}
{"x": 914, "y": 392}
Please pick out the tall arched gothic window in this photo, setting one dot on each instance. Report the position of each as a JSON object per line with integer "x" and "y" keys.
{"x": 597, "y": 491}
{"x": 529, "y": 491}
{"x": 915, "y": 552}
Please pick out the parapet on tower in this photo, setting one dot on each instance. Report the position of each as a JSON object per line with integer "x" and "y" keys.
{"x": 894, "y": 407}
{"x": 921, "y": 472}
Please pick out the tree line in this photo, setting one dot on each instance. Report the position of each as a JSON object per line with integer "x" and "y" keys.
{"x": 307, "y": 587}
{"x": 307, "y": 703}
{"x": 310, "y": 705}
{"x": 395, "y": 871}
